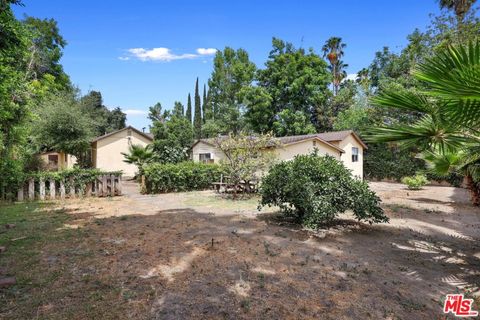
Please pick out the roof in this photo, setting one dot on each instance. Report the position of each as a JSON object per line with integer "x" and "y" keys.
{"x": 331, "y": 136}
{"x": 149, "y": 136}
{"x": 325, "y": 137}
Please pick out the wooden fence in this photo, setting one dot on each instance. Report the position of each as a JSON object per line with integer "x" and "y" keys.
{"x": 43, "y": 189}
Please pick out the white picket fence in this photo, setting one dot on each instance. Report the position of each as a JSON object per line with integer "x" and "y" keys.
{"x": 49, "y": 189}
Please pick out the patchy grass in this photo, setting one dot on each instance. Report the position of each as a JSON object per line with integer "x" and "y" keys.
{"x": 53, "y": 268}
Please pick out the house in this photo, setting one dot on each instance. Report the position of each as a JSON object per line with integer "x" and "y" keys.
{"x": 345, "y": 146}
{"x": 106, "y": 152}
{"x": 107, "y": 149}
{"x": 58, "y": 160}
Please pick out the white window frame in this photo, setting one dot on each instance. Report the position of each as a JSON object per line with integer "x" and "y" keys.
{"x": 355, "y": 154}
{"x": 202, "y": 157}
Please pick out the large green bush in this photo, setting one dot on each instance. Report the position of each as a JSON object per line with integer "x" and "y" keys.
{"x": 315, "y": 189}
{"x": 183, "y": 176}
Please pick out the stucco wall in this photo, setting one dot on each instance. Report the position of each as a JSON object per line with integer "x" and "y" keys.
{"x": 65, "y": 161}
{"x": 107, "y": 151}
{"x": 288, "y": 152}
{"x": 347, "y": 144}
{"x": 203, "y": 147}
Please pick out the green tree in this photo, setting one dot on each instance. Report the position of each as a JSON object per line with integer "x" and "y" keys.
{"x": 178, "y": 109}
{"x": 449, "y": 114}
{"x": 245, "y": 157}
{"x": 14, "y": 107}
{"x": 333, "y": 50}
{"x": 294, "y": 79}
{"x": 156, "y": 113}
{"x": 289, "y": 123}
{"x": 103, "y": 119}
{"x": 204, "y": 104}
{"x": 259, "y": 114}
{"x": 197, "y": 118}
{"x": 173, "y": 137}
{"x": 63, "y": 126}
{"x": 46, "y": 50}
{"x": 232, "y": 72}
{"x": 188, "y": 113}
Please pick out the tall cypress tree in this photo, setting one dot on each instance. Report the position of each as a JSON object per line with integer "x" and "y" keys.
{"x": 197, "y": 118}
{"x": 188, "y": 114}
{"x": 204, "y": 104}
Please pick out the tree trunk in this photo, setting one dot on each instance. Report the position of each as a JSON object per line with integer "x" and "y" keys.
{"x": 474, "y": 189}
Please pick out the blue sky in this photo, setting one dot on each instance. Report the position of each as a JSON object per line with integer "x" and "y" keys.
{"x": 101, "y": 33}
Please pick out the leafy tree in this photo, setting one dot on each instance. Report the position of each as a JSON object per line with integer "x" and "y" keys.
{"x": 14, "y": 108}
{"x": 103, "y": 119}
{"x": 245, "y": 156}
{"x": 314, "y": 190}
{"x": 188, "y": 113}
{"x": 155, "y": 113}
{"x": 197, "y": 119}
{"x": 139, "y": 156}
{"x": 295, "y": 79}
{"x": 173, "y": 137}
{"x": 259, "y": 114}
{"x": 178, "y": 110}
{"x": 63, "y": 126}
{"x": 449, "y": 114}
{"x": 46, "y": 50}
{"x": 232, "y": 71}
{"x": 290, "y": 123}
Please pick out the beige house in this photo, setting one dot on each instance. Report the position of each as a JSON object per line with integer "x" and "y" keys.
{"x": 106, "y": 152}
{"x": 58, "y": 160}
{"x": 345, "y": 146}
{"x": 107, "y": 149}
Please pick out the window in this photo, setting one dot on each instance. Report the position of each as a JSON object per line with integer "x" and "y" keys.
{"x": 354, "y": 154}
{"x": 205, "y": 157}
{"x": 314, "y": 143}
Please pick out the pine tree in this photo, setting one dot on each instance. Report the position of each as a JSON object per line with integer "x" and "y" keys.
{"x": 204, "y": 104}
{"x": 188, "y": 114}
{"x": 197, "y": 118}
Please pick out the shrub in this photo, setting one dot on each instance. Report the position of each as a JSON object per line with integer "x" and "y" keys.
{"x": 415, "y": 182}
{"x": 183, "y": 176}
{"x": 314, "y": 190}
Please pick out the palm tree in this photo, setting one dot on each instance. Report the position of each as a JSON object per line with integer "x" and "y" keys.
{"x": 333, "y": 51}
{"x": 139, "y": 156}
{"x": 460, "y": 7}
{"x": 446, "y": 131}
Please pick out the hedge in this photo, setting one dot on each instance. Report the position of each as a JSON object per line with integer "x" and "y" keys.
{"x": 183, "y": 176}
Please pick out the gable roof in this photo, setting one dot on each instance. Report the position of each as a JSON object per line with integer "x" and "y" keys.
{"x": 325, "y": 137}
{"x": 149, "y": 136}
{"x": 332, "y": 136}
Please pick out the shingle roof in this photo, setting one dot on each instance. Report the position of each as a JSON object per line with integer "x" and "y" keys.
{"x": 325, "y": 137}
{"x": 146, "y": 135}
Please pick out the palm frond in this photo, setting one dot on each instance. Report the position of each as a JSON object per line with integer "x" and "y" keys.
{"x": 404, "y": 100}
{"x": 454, "y": 76}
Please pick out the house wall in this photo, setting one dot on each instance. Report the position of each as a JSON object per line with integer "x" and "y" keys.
{"x": 203, "y": 147}
{"x": 107, "y": 152}
{"x": 347, "y": 144}
{"x": 288, "y": 152}
{"x": 65, "y": 161}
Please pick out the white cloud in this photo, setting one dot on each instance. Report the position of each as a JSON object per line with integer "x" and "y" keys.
{"x": 206, "y": 51}
{"x": 135, "y": 112}
{"x": 351, "y": 76}
{"x": 164, "y": 54}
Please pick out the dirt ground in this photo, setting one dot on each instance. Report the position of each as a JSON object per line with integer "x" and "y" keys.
{"x": 196, "y": 255}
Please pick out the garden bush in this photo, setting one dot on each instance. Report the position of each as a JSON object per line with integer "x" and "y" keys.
{"x": 415, "y": 182}
{"x": 314, "y": 190}
{"x": 183, "y": 176}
